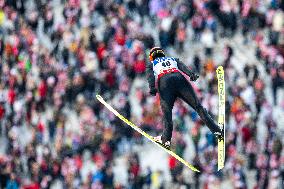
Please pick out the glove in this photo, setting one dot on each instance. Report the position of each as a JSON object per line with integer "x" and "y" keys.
{"x": 193, "y": 77}
{"x": 153, "y": 91}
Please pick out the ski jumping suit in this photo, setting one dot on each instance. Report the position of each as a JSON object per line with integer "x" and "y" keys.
{"x": 172, "y": 84}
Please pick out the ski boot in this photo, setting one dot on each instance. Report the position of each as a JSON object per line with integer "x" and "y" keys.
{"x": 219, "y": 135}
{"x": 167, "y": 144}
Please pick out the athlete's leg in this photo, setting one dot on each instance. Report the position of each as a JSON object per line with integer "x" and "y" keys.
{"x": 186, "y": 93}
{"x": 167, "y": 102}
{"x": 167, "y": 99}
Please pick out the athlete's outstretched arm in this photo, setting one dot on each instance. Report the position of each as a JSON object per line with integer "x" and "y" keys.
{"x": 151, "y": 79}
{"x": 182, "y": 67}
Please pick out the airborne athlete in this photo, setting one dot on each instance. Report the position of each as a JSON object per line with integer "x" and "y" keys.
{"x": 171, "y": 85}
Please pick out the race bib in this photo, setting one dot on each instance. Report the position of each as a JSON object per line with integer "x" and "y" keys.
{"x": 164, "y": 65}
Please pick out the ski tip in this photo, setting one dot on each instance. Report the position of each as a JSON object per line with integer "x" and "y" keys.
{"x": 98, "y": 96}
{"x": 220, "y": 68}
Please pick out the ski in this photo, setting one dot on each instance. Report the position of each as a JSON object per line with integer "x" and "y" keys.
{"x": 145, "y": 134}
{"x": 221, "y": 116}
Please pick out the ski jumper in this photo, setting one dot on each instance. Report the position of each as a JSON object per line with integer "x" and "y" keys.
{"x": 171, "y": 85}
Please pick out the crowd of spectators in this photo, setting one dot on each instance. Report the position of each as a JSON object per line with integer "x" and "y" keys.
{"x": 57, "y": 55}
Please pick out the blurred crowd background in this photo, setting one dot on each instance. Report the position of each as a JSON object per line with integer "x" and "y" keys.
{"x": 56, "y": 55}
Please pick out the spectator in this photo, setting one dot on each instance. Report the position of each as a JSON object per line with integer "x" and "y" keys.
{"x": 57, "y": 55}
{"x": 207, "y": 38}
